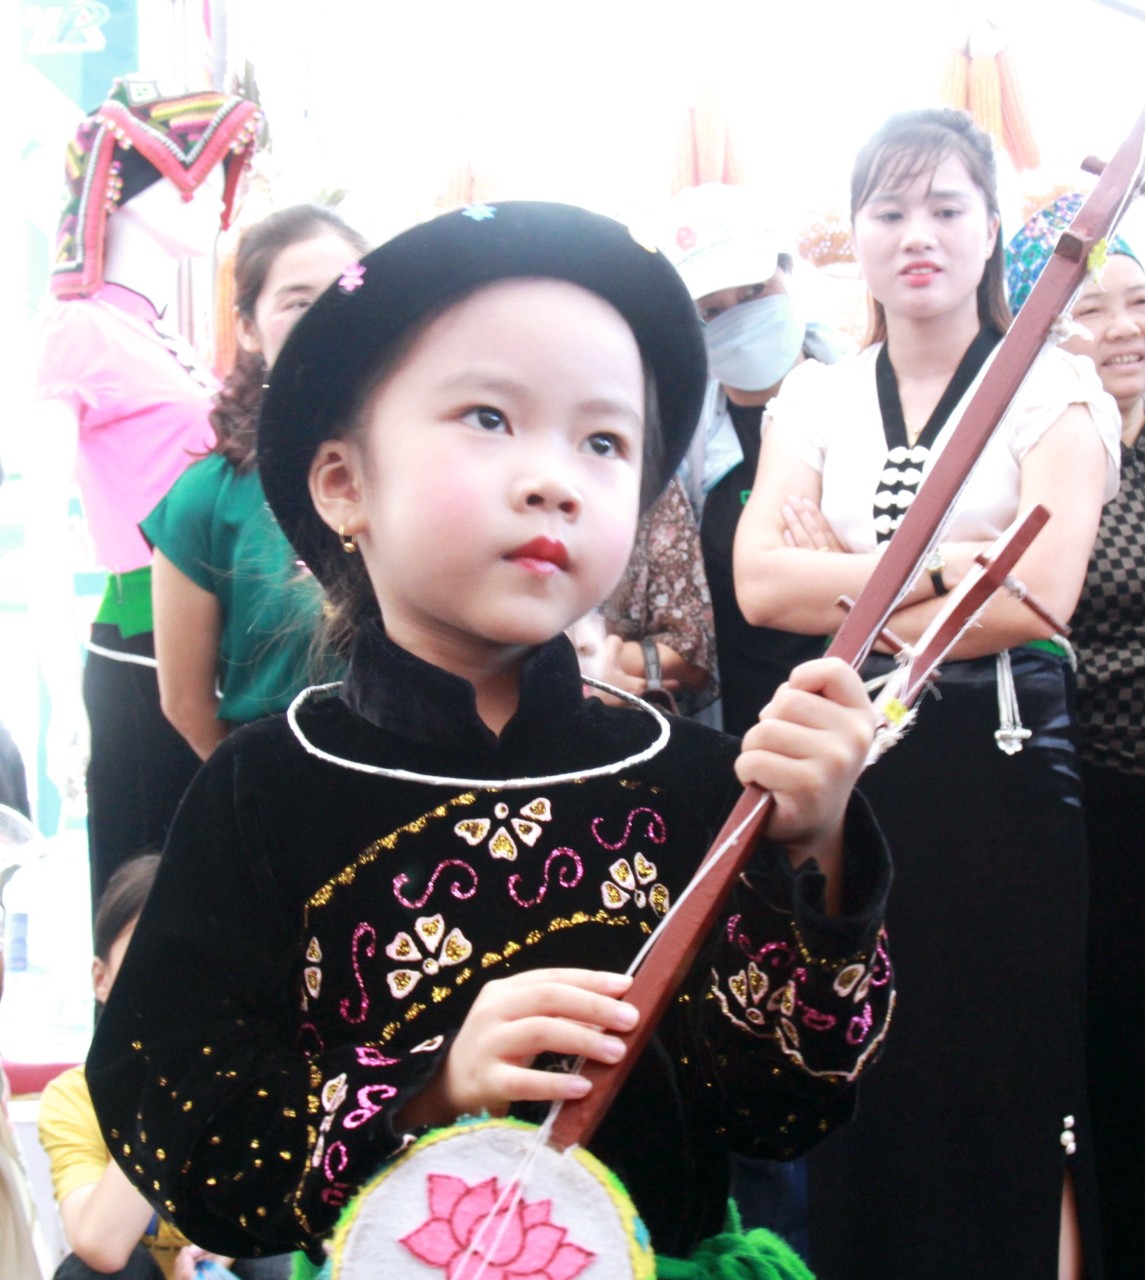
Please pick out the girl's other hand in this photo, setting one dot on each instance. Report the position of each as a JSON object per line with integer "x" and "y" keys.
{"x": 489, "y": 1065}
{"x": 809, "y": 747}
{"x": 805, "y": 526}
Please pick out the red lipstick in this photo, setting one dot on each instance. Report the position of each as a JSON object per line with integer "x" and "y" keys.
{"x": 541, "y": 554}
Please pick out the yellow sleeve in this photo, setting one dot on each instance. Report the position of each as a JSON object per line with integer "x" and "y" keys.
{"x": 69, "y": 1133}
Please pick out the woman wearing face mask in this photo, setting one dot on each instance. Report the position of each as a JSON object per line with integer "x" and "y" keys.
{"x": 1109, "y": 636}
{"x": 719, "y": 240}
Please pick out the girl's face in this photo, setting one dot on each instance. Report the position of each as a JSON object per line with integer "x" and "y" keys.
{"x": 923, "y": 245}
{"x": 495, "y": 486}
{"x": 1114, "y": 313}
{"x": 300, "y": 273}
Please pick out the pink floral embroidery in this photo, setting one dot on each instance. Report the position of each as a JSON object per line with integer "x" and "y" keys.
{"x": 568, "y": 877}
{"x": 655, "y": 830}
{"x": 352, "y": 278}
{"x": 478, "y": 1231}
{"x": 362, "y": 931}
{"x": 415, "y": 904}
{"x": 685, "y": 237}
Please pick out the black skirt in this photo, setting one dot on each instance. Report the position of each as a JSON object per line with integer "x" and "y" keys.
{"x": 953, "y": 1166}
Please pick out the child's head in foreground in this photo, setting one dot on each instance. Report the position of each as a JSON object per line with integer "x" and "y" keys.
{"x": 462, "y": 431}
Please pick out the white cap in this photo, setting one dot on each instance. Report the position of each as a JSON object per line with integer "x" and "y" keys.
{"x": 718, "y": 237}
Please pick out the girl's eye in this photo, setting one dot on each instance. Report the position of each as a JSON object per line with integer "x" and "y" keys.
{"x": 708, "y": 314}
{"x": 888, "y": 215}
{"x": 485, "y": 418}
{"x": 606, "y": 445}
{"x": 950, "y": 212}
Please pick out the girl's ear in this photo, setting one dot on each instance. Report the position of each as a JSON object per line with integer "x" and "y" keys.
{"x": 336, "y": 486}
{"x": 100, "y": 979}
{"x": 247, "y": 334}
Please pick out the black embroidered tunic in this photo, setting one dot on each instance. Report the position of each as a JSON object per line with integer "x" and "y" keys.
{"x": 316, "y": 937}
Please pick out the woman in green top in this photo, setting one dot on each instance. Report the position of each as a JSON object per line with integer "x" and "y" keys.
{"x": 235, "y": 616}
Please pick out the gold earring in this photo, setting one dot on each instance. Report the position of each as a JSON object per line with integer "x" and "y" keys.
{"x": 349, "y": 544}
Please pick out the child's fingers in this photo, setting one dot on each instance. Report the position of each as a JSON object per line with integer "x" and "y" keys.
{"x": 527, "y": 1038}
{"x": 832, "y": 679}
{"x": 558, "y": 1000}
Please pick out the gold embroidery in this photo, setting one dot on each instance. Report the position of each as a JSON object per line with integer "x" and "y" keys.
{"x": 472, "y": 830}
{"x": 503, "y": 845}
{"x": 349, "y": 874}
{"x": 314, "y": 951}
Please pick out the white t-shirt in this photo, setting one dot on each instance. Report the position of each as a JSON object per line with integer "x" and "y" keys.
{"x": 828, "y": 415}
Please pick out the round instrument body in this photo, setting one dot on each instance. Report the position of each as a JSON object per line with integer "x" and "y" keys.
{"x": 488, "y": 1200}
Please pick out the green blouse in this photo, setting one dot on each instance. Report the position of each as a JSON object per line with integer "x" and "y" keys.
{"x": 215, "y": 527}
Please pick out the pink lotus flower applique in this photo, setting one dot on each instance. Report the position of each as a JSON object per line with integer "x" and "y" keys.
{"x": 476, "y": 1232}
{"x": 352, "y": 278}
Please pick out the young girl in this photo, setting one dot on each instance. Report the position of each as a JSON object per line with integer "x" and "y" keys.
{"x": 405, "y": 894}
{"x": 232, "y": 611}
{"x": 975, "y": 1172}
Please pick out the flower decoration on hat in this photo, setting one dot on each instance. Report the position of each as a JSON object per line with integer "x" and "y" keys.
{"x": 352, "y": 278}
{"x": 479, "y": 212}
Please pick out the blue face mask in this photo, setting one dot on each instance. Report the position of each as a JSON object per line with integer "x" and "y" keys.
{"x": 753, "y": 346}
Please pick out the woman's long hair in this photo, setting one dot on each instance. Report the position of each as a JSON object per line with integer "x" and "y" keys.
{"x": 913, "y": 143}
{"x": 235, "y": 412}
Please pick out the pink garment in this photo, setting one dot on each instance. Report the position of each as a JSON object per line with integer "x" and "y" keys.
{"x": 142, "y": 416}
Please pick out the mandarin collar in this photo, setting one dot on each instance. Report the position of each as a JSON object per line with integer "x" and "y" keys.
{"x": 401, "y": 693}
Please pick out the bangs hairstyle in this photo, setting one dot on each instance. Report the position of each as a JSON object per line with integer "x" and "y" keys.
{"x": 350, "y": 599}
{"x": 909, "y": 146}
{"x": 234, "y": 415}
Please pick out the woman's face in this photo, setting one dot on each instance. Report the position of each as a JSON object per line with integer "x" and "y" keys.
{"x": 923, "y": 245}
{"x": 298, "y": 275}
{"x": 1113, "y": 312}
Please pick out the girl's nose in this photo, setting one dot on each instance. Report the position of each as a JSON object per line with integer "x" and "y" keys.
{"x": 548, "y": 485}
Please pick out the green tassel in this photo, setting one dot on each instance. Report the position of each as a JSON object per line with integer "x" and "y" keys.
{"x": 736, "y": 1254}
{"x": 303, "y": 1269}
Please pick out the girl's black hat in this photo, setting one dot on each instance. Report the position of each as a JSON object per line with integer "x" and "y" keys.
{"x": 340, "y": 343}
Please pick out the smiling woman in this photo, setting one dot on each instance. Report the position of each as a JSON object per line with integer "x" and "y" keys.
{"x": 1109, "y": 635}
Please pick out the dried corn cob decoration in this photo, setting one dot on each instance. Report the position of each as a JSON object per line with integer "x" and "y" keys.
{"x": 978, "y": 77}
{"x": 956, "y": 79}
{"x": 1018, "y": 138}
{"x": 986, "y": 97}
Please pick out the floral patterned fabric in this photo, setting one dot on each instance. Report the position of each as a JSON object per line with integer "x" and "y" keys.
{"x": 317, "y": 935}
{"x": 664, "y": 594}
